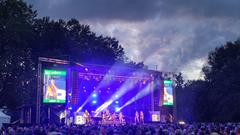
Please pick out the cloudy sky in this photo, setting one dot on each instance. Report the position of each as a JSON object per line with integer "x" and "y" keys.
{"x": 175, "y": 35}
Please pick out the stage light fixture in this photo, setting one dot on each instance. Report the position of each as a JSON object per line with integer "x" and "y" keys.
{"x": 86, "y": 69}
{"x": 117, "y": 109}
{"x": 181, "y": 122}
{"x": 94, "y": 101}
{"x": 85, "y": 102}
{"x": 116, "y": 102}
{"x": 94, "y": 95}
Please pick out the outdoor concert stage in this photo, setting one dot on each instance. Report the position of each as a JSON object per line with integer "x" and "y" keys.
{"x": 115, "y": 89}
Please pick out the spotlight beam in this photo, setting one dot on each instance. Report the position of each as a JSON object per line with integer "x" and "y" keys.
{"x": 85, "y": 102}
{"x": 127, "y": 86}
{"x": 107, "y": 77}
{"x": 106, "y": 80}
{"x": 146, "y": 90}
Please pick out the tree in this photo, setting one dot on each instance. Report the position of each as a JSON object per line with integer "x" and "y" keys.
{"x": 185, "y": 97}
{"x": 24, "y": 38}
{"x": 179, "y": 83}
{"x": 223, "y": 83}
{"x": 77, "y": 41}
{"x": 15, "y": 60}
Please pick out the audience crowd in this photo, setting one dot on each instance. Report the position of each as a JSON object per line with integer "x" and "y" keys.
{"x": 144, "y": 129}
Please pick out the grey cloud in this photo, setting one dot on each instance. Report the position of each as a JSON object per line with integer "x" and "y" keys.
{"x": 135, "y": 10}
{"x": 170, "y": 33}
{"x": 97, "y": 9}
{"x": 174, "y": 44}
{"x": 202, "y": 8}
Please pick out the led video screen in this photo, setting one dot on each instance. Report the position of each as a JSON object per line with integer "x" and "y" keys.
{"x": 168, "y": 92}
{"x": 54, "y": 87}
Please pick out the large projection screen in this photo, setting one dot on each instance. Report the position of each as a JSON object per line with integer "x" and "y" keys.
{"x": 168, "y": 92}
{"x": 54, "y": 87}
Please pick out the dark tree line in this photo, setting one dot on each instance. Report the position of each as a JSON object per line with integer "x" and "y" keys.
{"x": 216, "y": 98}
{"x": 24, "y": 38}
{"x": 223, "y": 83}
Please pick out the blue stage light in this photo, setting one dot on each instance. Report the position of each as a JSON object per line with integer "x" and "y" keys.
{"x": 117, "y": 109}
{"x": 94, "y": 101}
{"x": 116, "y": 102}
{"x": 94, "y": 95}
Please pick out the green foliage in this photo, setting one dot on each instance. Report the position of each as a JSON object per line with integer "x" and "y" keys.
{"x": 179, "y": 82}
{"x": 215, "y": 99}
{"x": 70, "y": 38}
{"x": 15, "y": 60}
{"x": 24, "y": 38}
{"x": 186, "y": 97}
{"x": 223, "y": 84}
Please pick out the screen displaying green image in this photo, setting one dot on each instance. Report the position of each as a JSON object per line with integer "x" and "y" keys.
{"x": 167, "y": 92}
{"x": 54, "y": 88}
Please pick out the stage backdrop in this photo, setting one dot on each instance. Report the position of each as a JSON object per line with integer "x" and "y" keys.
{"x": 54, "y": 88}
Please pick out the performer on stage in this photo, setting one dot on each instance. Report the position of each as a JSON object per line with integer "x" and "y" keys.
{"x": 114, "y": 118}
{"x": 142, "y": 117}
{"x": 103, "y": 117}
{"x": 136, "y": 118}
{"x": 108, "y": 116}
{"x": 87, "y": 117}
{"x": 120, "y": 117}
